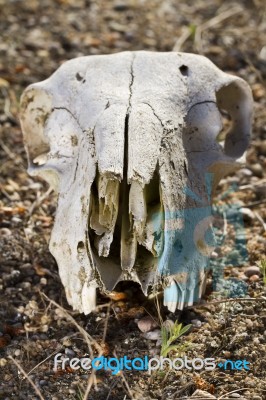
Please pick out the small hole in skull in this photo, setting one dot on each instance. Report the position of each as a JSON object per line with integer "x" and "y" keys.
{"x": 80, "y": 247}
{"x": 184, "y": 70}
{"x": 79, "y": 77}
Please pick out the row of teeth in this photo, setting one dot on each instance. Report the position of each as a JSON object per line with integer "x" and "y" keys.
{"x": 174, "y": 296}
{"x": 138, "y": 227}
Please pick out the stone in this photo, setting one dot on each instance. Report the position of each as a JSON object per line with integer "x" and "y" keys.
{"x": 147, "y": 324}
{"x": 252, "y": 270}
{"x": 202, "y": 394}
{"x": 153, "y": 335}
{"x": 254, "y": 278}
{"x": 257, "y": 170}
{"x": 196, "y": 322}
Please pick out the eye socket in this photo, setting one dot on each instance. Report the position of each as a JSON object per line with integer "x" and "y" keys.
{"x": 184, "y": 70}
{"x": 35, "y": 109}
{"x": 235, "y": 99}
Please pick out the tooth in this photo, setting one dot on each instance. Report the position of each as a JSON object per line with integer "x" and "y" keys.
{"x": 104, "y": 210}
{"x": 88, "y": 297}
{"x": 189, "y": 296}
{"x": 137, "y": 207}
{"x": 128, "y": 248}
{"x": 203, "y": 283}
{"x": 103, "y": 243}
{"x": 171, "y": 296}
{"x": 153, "y": 233}
{"x": 94, "y": 219}
{"x": 128, "y": 244}
{"x": 181, "y": 300}
{"x": 108, "y": 190}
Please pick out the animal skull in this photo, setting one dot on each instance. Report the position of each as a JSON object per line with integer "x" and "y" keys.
{"x": 129, "y": 142}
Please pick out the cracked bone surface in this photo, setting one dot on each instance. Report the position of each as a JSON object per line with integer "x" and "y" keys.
{"x": 129, "y": 142}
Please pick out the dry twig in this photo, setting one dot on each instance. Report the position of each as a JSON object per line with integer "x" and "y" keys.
{"x": 89, "y": 339}
{"x": 232, "y": 11}
{"x": 27, "y": 377}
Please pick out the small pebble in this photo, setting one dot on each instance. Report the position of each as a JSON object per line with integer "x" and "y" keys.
{"x": 249, "y": 323}
{"x": 252, "y": 270}
{"x": 25, "y": 285}
{"x": 257, "y": 170}
{"x": 5, "y": 232}
{"x": 3, "y": 362}
{"x": 202, "y": 394}
{"x": 262, "y": 148}
{"x": 153, "y": 335}
{"x": 254, "y": 278}
{"x": 245, "y": 172}
{"x": 16, "y": 220}
{"x": 227, "y": 354}
{"x": 235, "y": 395}
{"x": 243, "y": 277}
{"x": 196, "y": 322}
{"x": 120, "y": 7}
{"x": 147, "y": 324}
{"x": 69, "y": 352}
{"x": 67, "y": 341}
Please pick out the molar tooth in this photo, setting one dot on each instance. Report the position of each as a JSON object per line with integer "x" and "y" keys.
{"x": 103, "y": 244}
{"x": 94, "y": 217}
{"x": 108, "y": 190}
{"x": 153, "y": 234}
{"x": 104, "y": 210}
{"x": 128, "y": 245}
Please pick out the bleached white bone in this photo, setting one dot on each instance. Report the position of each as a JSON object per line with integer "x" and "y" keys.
{"x": 129, "y": 141}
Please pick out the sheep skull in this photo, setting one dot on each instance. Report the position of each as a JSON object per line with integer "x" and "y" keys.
{"x": 129, "y": 142}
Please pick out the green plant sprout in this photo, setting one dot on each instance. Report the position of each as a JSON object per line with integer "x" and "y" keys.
{"x": 262, "y": 265}
{"x": 79, "y": 394}
{"x": 170, "y": 335}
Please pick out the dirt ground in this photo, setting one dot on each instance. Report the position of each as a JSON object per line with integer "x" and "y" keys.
{"x": 36, "y": 37}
